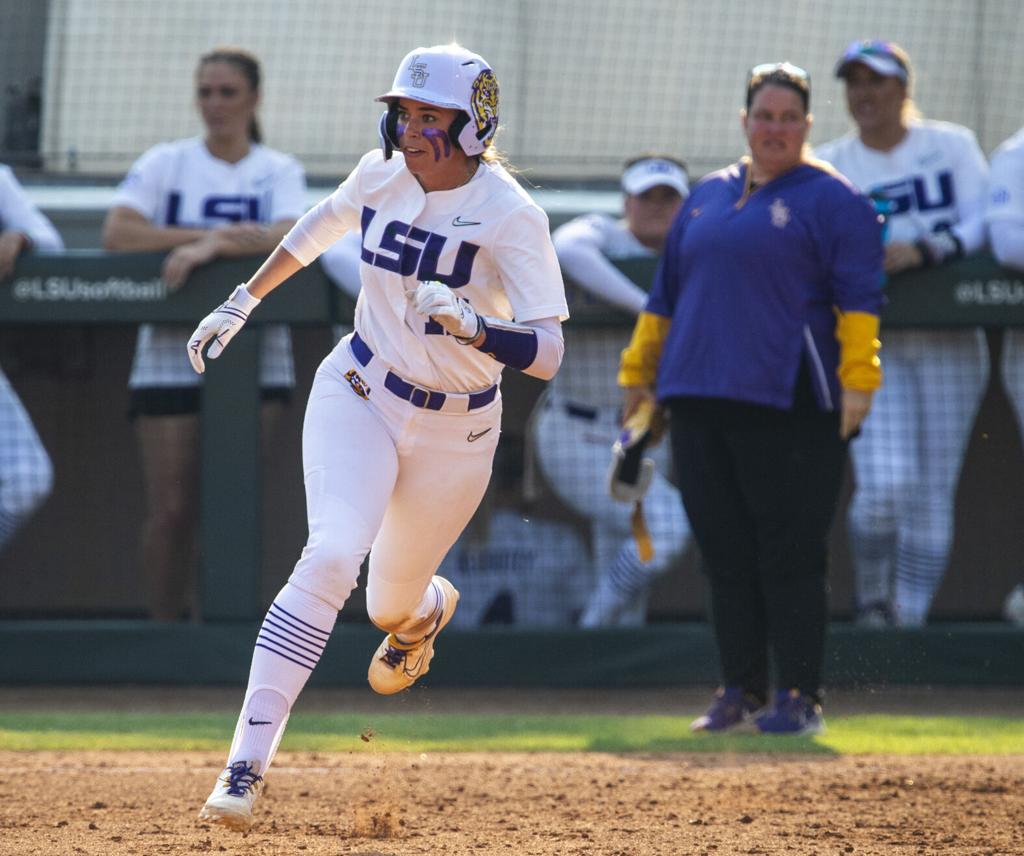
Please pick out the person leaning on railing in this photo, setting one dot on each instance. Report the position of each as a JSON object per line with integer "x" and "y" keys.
{"x": 221, "y": 195}
{"x": 931, "y": 177}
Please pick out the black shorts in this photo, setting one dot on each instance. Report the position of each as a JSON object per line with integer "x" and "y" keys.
{"x": 184, "y": 400}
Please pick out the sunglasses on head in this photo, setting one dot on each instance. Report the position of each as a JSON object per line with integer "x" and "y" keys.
{"x": 779, "y": 71}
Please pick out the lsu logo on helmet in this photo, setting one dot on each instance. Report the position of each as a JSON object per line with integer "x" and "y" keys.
{"x": 418, "y": 73}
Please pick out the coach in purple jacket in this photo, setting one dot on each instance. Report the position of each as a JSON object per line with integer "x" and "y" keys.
{"x": 761, "y": 334}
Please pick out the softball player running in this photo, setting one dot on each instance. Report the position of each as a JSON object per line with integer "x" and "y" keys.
{"x": 907, "y": 460}
{"x": 1005, "y": 218}
{"x": 221, "y": 195}
{"x": 578, "y": 420}
{"x": 26, "y": 474}
{"x": 459, "y": 280}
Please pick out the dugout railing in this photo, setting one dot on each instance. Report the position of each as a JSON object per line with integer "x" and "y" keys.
{"x": 94, "y": 288}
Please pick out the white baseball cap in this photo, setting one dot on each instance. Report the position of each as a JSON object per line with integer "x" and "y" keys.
{"x": 885, "y": 58}
{"x": 652, "y": 172}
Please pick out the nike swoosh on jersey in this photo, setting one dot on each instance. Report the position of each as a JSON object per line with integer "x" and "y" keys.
{"x": 258, "y": 721}
{"x": 472, "y": 438}
{"x": 458, "y": 221}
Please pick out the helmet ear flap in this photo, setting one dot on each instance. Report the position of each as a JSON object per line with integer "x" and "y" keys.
{"x": 465, "y": 135}
{"x": 388, "y": 130}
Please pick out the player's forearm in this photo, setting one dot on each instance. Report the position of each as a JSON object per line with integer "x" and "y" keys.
{"x": 595, "y": 273}
{"x": 248, "y": 239}
{"x": 535, "y": 348}
{"x": 280, "y": 265}
{"x": 130, "y": 236}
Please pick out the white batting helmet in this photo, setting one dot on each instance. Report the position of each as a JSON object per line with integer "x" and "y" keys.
{"x": 446, "y": 76}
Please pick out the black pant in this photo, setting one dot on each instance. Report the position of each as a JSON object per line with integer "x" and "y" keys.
{"x": 760, "y": 487}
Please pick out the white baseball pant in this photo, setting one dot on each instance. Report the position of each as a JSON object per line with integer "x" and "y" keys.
{"x": 26, "y": 473}
{"x": 907, "y": 463}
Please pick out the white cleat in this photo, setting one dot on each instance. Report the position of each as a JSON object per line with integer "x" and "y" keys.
{"x": 397, "y": 665}
{"x": 236, "y": 790}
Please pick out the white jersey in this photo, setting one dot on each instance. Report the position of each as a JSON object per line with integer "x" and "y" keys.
{"x": 182, "y": 184}
{"x": 1006, "y": 196}
{"x": 937, "y": 177}
{"x": 586, "y": 247}
{"x": 487, "y": 239}
{"x": 19, "y": 214}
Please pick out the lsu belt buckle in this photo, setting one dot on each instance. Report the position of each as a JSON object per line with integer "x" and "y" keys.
{"x": 359, "y": 386}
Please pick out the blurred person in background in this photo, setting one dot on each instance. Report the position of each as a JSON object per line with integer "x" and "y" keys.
{"x": 760, "y": 338}
{"x": 199, "y": 199}
{"x": 26, "y": 473}
{"x": 512, "y": 566}
{"x": 932, "y": 179}
{"x": 577, "y": 420}
{"x": 1005, "y": 220}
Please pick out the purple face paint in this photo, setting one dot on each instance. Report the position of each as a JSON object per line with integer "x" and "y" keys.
{"x": 434, "y": 136}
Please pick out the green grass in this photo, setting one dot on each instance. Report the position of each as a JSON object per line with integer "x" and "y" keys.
{"x": 852, "y": 735}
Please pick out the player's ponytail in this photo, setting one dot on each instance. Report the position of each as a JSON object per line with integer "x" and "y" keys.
{"x": 246, "y": 62}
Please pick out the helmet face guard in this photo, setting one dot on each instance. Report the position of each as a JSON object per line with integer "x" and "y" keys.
{"x": 445, "y": 76}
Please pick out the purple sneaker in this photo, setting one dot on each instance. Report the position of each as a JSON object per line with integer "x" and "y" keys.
{"x": 792, "y": 713}
{"x": 731, "y": 709}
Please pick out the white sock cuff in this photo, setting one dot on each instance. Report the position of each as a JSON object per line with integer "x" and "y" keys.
{"x": 307, "y": 606}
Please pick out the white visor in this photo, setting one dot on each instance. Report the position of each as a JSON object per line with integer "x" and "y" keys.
{"x": 652, "y": 172}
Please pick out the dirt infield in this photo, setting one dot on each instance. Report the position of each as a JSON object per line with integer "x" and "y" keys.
{"x": 102, "y": 804}
{"x": 368, "y": 803}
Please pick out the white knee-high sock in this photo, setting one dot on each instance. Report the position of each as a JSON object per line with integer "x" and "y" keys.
{"x": 289, "y": 645}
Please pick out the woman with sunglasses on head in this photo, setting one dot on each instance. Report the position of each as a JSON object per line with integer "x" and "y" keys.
{"x": 759, "y": 337}
{"x": 459, "y": 280}
{"x": 930, "y": 179}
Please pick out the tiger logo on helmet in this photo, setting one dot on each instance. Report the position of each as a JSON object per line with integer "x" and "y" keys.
{"x": 484, "y": 101}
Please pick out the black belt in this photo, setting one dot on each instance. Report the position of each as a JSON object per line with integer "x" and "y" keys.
{"x": 417, "y": 396}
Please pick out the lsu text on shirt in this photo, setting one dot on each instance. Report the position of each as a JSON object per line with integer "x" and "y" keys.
{"x": 181, "y": 184}
{"x": 487, "y": 239}
{"x": 936, "y": 177}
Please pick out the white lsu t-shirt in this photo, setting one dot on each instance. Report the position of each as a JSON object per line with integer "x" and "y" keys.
{"x": 937, "y": 177}
{"x": 181, "y": 184}
{"x": 586, "y": 247}
{"x": 487, "y": 239}
{"x": 1005, "y": 212}
{"x": 1006, "y": 182}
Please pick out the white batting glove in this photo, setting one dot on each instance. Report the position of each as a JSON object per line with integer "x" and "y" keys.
{"x": 220, "y": 327}
{"x": 448, "y": 309}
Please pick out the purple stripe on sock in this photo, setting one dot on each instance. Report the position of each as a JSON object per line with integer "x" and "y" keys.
{"x": 285, "y": 656}
{"x": 288, "y": 642}
{"x": 325, "y": 633}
